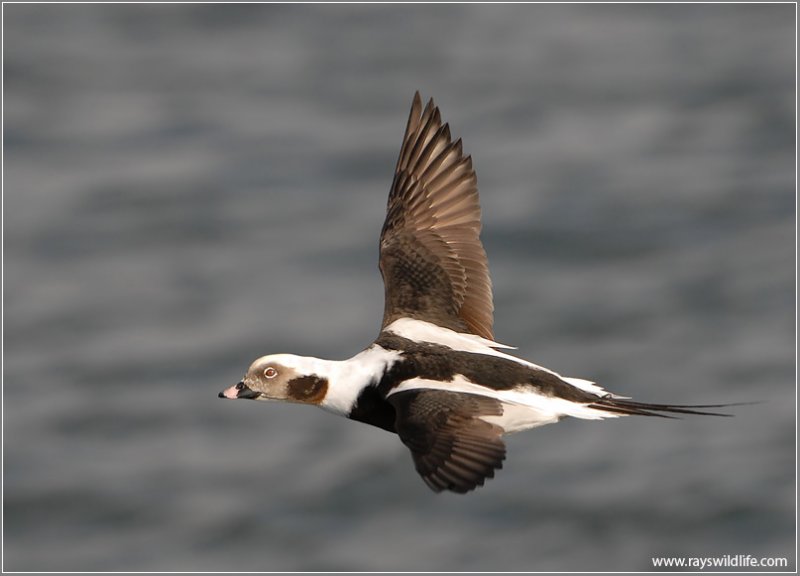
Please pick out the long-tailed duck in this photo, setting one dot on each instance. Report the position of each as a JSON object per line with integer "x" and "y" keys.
{"x": 435, "y": 376}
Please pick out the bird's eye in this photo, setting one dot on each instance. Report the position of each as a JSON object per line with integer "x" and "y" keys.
{"x": 270, "y": 372}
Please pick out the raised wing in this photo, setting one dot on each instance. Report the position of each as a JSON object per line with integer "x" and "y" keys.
{"x": 433, "y": 264}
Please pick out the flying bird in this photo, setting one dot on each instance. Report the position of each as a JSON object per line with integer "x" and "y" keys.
{"x": 435, "y": 375}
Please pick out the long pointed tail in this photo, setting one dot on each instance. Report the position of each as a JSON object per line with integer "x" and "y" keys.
{"x": 629, "y": 407}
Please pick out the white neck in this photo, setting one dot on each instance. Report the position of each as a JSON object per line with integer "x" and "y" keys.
{"x": 347, "y": 378}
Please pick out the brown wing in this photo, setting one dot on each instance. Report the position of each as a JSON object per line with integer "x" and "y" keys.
{"x": 453, "y": 449}
{"x": 433, "y": 263}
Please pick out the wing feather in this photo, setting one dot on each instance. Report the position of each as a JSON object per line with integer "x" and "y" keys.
{"x": 433, "y": 264}
{"x": 452, "y": 447}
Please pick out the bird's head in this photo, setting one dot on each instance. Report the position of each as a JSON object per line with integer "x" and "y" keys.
{"x": 281, "y": 377}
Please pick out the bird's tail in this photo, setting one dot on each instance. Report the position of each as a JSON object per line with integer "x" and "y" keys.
{"x": 627, "y": 407}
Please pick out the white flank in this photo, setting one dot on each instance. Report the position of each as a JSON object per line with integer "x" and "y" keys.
{"x": 522, "y": 409}
{"x": 421, "y": 331}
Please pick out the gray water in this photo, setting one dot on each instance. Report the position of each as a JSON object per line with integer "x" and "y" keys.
{"x": 189, "y": 187}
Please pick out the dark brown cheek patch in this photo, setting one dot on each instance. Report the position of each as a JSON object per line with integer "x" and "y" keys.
{"x": 310, "y": 389}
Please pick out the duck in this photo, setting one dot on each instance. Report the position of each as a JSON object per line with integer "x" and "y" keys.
{"x": 435, "y": 376}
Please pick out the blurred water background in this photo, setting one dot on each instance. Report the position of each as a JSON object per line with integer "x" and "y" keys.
{"x": 188, "y": 187}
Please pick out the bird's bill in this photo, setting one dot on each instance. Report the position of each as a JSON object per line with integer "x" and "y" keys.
{"x": 237, "y": 391}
